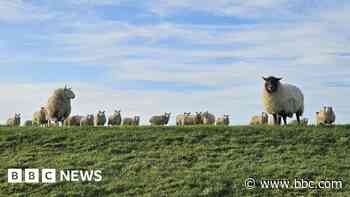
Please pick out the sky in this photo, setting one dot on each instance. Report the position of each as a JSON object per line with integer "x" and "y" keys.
{"x": 155, "y": 56}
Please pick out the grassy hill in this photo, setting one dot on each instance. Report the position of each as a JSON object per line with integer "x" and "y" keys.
{"x": 175, "y": 161}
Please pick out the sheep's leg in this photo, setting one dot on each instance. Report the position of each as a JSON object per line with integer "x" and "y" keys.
{"x": 298, "y": 117}
{"x": 284, "y": 119}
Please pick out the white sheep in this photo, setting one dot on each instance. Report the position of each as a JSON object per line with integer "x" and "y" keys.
{"x": 14, "y": 121}
{"x": 40, "y": 117}
{"x": 59, "y": 105}
{"x": 115, "y": 119}
{"x": 185, "y": 119}
{"x": 325, "y": 116}
{"x": 282, "y": 100}
{"x": 100, "y": 118}
{"x": 260, "y": 119}
{"x": 160, "y": 119}
{"x": 131, "y": 121}
{"x": 224, "y": 120}
{"x": 208, "y": 118}
{"x": 88, "y": 120}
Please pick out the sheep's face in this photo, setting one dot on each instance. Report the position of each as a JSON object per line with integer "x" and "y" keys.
{"x": 137, "y": 118}
{"x": 271, "y": 84}
{"x": 68, "y": 93}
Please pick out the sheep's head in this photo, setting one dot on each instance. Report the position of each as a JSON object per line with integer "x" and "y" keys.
{"x": 68, "y": 93}
{"x": 101, "y": 113}
{"x": 137, "y": 118}
{"x": 271, "y": 84}
{"x": 117, "y": 112}
{"x": 17, "y": 116}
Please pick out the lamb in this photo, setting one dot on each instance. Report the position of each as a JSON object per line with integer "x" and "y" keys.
{"x": 59, "y": 105}
{"x": 282, "y": 100}
{"x": 326, "y": 116}
{"x": 40, "y": 117}
{"x": 134, "y": 121}
{"x": 73, "y": 120}
{"x": 225, "y": 120}
{"x": 87, "y": 120}
{"x": 14, "y": 121}
{"x": 260, "y": 119}
{"x": 28, "y": 123}
{"x": 160, "y": 119}
{"x": 115, "y": 119}
{"x": 100, "y": 118}
{"x": 303, "y": 122}
{"x": 208, "y": 118}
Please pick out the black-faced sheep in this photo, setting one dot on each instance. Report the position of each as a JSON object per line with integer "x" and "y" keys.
{"x": 40, "y": 117}
{"x": 88, "y": 120}
{"x": 100, "y": 118}
{"x": 115, "y": 119}
{"x": 225, "y": 120}
{"x": 282, "y": 100}
{"x": 59, "y": 105}
{"x": 160, "y": 119}
{"x": 14, "y": 121}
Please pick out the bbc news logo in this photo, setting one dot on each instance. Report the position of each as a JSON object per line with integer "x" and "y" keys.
{"x": 52, "y": 176}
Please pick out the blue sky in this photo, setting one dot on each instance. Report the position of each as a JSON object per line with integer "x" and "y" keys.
{"x": 147, "y": 57}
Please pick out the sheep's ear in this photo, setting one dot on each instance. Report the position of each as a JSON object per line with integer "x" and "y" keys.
{"x": 264, "y": 78}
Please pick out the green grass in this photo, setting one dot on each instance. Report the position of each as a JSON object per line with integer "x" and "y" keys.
{"x": 177, "y": 161}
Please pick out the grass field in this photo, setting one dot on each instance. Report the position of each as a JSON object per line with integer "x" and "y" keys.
{"x": 178, "y": 161}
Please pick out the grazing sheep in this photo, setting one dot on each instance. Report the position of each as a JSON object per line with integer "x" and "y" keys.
{"x": 326, "y": 116}
{"x": 303, "y": 122}
{"x": 225, "y": 120}
{"x": 28, "y": 123}
{"x": 115, "y": 119}
{"x": 134, "y": 121}
{"x": 40, "y": 117}
{"x": 100, "y": 118}
{"x": 160, "y": 119}
{"x": 87, "y": 120}
{"x": 73, "y": 120}
{"x": 59, "y": 105}
{"x": 282, "y": 100}
{"x": 260, "y": 119}
{"x": 208, "y": 118}
{"x": 14, "y": 121}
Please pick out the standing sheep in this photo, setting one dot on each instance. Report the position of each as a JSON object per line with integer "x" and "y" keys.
{"x": 185, "y": 119}
{"x": 100, "y": 118}
{"x": 208, "y": 118}
{"x": 134, "y": 121}
{"x": 59, "y": 104}
{"x": 40, "y": 117}
{"x": 225, "y": 120}
{"x": 326, "y": 116}
{"x": 160, "y": 119}
{"x": 14, "y": 121}
{"x": 282, "y": 100}
{"x": 260, "y": 120}
{"x": 87, "y": 120}
{"x": 115, "y": 119}
{"x": 73, "y": 120}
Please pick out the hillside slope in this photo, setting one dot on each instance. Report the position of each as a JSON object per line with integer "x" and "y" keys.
{"x": 170, "y": 161}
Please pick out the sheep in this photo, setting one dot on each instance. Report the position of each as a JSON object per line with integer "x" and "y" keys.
{"x": 14, "y": 121}
{"x": 73, "y": 120}
{"x": 260, "y": 119}
{"x": 28, "y": 123}
{"x": 303, "y": 122}
{"x": 225, "y": 120}
{"x": 282, "y": 100}
{"x": 208, "y": 118}
{"x": 160, "y": 119}
{"x": 185, "y": 119}
{"x": 40, "y": 117}
{"x": 59, "y": 105}
{"x": 134, "y": 121}
{"x": 115, "y": 119}
{"x": 100, "y": 118}
{"x": 325, "y": 116}
{"x": 88, "y": 120}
